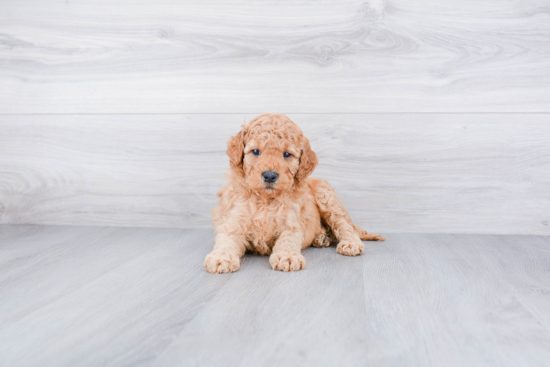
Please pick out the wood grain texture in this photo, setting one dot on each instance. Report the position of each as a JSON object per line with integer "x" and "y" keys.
{"x": 263, "y": 317}
{"x": 92, "y": 296}
{"x": 115, "y": 296}
{"x": 438, "y": 173}
{"x": 170, "y": 56}
{"x": 457, "y": 300}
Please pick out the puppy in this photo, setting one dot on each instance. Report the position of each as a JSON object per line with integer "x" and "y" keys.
{"x": 269, "y": 206}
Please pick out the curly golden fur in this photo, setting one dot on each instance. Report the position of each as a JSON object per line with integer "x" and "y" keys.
{"x": 277, "y": 218}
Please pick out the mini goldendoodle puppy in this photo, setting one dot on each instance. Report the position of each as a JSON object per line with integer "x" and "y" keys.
{"x": 269, "y": 206}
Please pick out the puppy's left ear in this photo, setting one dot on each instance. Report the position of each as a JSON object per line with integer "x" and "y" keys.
{"x": 308, "y": 161}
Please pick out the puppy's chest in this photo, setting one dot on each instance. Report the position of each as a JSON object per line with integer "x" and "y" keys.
{"x": 266, "y": 224}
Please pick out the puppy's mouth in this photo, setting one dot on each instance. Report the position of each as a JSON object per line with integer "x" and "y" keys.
{"x": 270, "y": 187}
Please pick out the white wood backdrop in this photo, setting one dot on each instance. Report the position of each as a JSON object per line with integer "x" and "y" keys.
{"x": 428, "y": 116}
{"x": 248, "y": 56}
{"x": 466, "y": 173}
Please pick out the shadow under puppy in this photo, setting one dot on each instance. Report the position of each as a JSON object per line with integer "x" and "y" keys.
{"x": 269, "y": 206}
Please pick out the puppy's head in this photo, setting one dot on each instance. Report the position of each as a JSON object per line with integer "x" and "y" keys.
{"x": 272, "y": 155}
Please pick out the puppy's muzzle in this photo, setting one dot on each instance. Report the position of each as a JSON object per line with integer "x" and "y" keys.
{"x": 270, "y": 177}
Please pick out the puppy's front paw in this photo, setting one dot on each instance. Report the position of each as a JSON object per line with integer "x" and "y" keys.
{"x": 287, "y": 261}
{"x": 350, "y": 248}
{"x": 222, "y": 262}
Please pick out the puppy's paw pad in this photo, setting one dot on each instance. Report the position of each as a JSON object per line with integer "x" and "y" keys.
{"x": 222, "y": 262}
{"x": 287, "y": 261}
{"x": 323, "y": 240}
{"x": 350, "y": 248}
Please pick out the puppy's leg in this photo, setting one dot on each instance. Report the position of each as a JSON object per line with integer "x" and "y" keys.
{"x": 286, "y": 255}
{"x": 335, "y": 215}
{"x": 227, "y": 253}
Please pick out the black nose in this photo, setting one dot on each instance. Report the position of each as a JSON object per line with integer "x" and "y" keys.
{"x": 270, "y": 176}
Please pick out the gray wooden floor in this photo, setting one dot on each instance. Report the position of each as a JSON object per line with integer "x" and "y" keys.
{"x": 93, "y": 296}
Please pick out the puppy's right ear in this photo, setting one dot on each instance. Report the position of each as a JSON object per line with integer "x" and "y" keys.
{"x": 235, "y": 149}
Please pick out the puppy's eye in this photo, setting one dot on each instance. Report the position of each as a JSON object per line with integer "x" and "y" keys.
{"x": 256, "y": 152}
{"x": 287, "y": 155}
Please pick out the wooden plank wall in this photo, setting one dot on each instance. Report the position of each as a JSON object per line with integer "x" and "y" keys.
{"x": 428, "y": 116}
